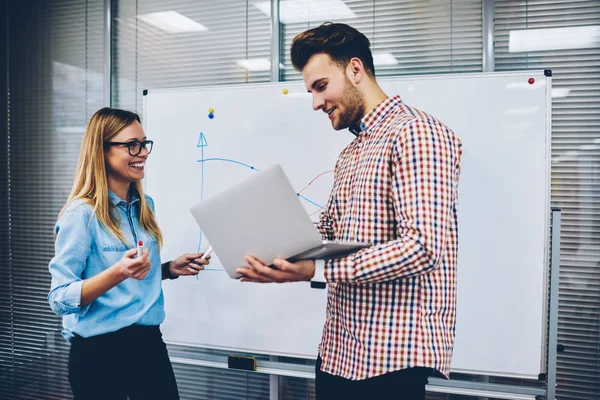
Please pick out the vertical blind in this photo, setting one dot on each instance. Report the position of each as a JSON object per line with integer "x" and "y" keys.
{"x": 407, "y": 36}
{"x": 223, "y": 36}
{"x": 575, "y": 171}
{"x": 54, "y": 59}
{"x": 226, "y": 42}
{"x": 6, "y": 324}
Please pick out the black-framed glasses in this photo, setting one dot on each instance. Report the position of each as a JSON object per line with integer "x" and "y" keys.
{"x": 134, "y": 147}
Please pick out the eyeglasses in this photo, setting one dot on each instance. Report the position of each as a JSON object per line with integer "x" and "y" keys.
{"x": 134, "y": 147}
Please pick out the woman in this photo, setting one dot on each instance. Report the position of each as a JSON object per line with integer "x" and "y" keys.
{"x": 110, "y": 298}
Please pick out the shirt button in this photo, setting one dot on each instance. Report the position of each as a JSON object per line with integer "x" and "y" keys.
{"x": 360, "y": 145}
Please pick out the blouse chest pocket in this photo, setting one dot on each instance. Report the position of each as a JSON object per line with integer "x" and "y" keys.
{"x": 111, "y": 253}
{"x": 114, "y": 247}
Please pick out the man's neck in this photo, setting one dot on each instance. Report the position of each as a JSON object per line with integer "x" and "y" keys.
{"x": 374, "y": 96}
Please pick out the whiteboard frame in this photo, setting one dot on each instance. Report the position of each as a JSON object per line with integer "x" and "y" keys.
{"x": 548, "y": 130}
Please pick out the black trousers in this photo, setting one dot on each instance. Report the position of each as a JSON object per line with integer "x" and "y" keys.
{"x": 406, "y": 384}
{"x": 130, "y": 362}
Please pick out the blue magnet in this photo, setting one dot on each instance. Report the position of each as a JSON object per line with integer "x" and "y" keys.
{"x": 211, "y": 115}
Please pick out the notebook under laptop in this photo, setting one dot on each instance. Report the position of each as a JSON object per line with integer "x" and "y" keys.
{"x": 264, "y": 216}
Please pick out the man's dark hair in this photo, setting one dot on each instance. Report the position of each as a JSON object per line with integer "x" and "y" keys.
{"x": 340, "y": 41}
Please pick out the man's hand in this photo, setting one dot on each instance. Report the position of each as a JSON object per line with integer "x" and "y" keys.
{"x": 259, "y": 272}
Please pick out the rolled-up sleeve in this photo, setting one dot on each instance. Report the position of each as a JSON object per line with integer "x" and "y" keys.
{"x": 72, "y": 249}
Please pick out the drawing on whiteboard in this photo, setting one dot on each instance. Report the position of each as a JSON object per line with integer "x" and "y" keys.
{"x": 202, "y": 143}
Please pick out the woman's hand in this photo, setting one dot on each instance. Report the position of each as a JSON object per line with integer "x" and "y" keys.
{"x": 188, "y": 264}
{"x": 134, "y": 267}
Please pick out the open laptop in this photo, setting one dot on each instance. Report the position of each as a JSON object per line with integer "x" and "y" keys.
{"x": 264, "y": 216}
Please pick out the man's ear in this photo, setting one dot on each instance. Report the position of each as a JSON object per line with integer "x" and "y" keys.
{"x": 356, "y": 70}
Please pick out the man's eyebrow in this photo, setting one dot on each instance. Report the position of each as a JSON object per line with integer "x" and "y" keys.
{"x": 316, "y": 83}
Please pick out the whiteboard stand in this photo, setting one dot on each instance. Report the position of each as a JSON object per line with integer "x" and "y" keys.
{"x": 276, "y": 368}
{"x": 553, "y": 303}
{"x": 273, "y": 382}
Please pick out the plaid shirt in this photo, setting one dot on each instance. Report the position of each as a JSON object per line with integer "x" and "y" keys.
{"x": 392, "y": 306}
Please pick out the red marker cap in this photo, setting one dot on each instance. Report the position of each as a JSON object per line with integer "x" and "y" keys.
{"x": 140, "y": 243}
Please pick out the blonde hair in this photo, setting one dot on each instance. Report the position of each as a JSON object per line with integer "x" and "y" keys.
{"x": 91, "y": 184}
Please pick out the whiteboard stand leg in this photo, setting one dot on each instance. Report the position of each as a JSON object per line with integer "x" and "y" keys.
{"x": 484, "y": 379}
{"x": 553, "y": 304}
{"x": 273, "y": 382}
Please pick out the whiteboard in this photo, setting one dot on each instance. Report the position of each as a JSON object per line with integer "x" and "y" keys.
{"x": 503, "y": 123}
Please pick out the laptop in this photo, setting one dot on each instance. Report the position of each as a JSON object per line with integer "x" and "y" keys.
{"x": 263, "y": 216}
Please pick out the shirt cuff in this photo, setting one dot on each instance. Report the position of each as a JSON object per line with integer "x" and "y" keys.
{"x": 166, "y": 272}
{"x": 318, "y": 280}
{"x": 70, "y": 301}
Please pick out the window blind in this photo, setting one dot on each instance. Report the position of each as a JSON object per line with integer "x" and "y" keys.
{"x": 54, "y": 58}
{"x": 575, "y": 170}
{"x": 225, "y": 42}
{"x": 407, "y": 36}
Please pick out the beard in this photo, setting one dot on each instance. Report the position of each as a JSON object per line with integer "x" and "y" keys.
{"x": 352, "y": 107}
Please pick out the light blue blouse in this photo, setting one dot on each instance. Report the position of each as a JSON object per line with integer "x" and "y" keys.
{"x": 84, "y": 248}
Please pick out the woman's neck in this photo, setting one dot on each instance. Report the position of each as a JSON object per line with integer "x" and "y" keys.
{"x": 121, "y": 189}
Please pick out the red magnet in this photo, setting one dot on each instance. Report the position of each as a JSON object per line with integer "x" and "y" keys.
{"x": 531, "y": 81}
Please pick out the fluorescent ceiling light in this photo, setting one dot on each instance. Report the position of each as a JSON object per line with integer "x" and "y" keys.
{"x": 380, "y": 59}
{"x": 172, "y": 22}
{"x": 558, "y": 93}
{"x": 577, "y": 37}
{"x": 291, "y": 11}
{"x": 256, "y": 64}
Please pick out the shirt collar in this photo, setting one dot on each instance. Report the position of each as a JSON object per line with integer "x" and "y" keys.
{"x": 116, "y": 200}
{"x": 376, "y": 115}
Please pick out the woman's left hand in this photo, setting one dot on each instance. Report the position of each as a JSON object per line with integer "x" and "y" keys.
{"x": 188, "y": 264}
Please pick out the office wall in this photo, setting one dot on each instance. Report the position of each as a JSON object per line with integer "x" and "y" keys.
{"x": 51, "y": 81}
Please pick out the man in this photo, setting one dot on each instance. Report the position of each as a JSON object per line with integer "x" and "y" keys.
{"x": 391, "y": 308}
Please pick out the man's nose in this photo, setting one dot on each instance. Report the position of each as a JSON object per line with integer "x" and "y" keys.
{"x": 317, "y": 102}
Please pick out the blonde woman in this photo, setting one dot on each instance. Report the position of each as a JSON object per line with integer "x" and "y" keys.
{"x": 110, "y": 298}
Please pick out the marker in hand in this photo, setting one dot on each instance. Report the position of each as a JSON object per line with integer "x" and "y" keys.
{"x": 207, "y": 252}
{"x": 140, "y": 248}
